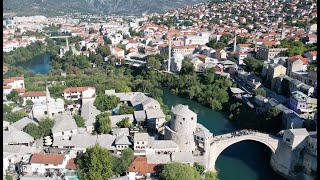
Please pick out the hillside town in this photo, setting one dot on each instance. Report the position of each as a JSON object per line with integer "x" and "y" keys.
{"x": 267, "y": 49}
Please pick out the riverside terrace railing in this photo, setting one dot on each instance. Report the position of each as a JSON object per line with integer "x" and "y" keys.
{"x": 242, "y": 133}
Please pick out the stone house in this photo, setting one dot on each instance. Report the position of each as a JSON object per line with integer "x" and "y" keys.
{"x": 220, "y": 54}
{"x": 140, "y": 169}
{"x": 13, "y": 83}
{"x": 34, "y": 96}
{"x": 77, "y": 93}
{"x": 41, "y": 163}
{"x": 65, "y": 126}
{"x": 155, "y": 118}
{"x": 302, "y": 104}
{"x": 297, "y": 63}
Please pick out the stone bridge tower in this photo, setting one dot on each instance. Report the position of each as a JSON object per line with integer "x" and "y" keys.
{"x": 182, "y": 128}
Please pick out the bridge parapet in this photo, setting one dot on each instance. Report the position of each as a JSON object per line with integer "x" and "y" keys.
{"x": 243, "y": 133}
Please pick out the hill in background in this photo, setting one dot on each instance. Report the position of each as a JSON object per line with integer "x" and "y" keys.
{"x": 108, "y": 7}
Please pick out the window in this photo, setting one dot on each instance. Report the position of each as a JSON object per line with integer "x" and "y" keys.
{"x": 142, "y": 142}
{"x": 183, "y": 118}
{"x": 287, "y": 139}
{"x": 138, "y": 142}
{"x": 191, "y": 118}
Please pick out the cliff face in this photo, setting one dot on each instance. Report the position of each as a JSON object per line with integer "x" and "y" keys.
{"x": 118, "y": 7}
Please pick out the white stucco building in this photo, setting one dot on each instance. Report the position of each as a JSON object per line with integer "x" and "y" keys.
{"x": 77, "y": 93}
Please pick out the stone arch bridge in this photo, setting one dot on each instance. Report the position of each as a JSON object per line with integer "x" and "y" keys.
{"x": 220, "y": 143}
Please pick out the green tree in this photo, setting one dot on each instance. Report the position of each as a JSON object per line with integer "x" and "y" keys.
{"x": 121, "y": 164}
{"x": 33, "y": 130}
{"x": 200, "y": 168}
{"x": 91, "y": 30}
{"x": 210, "y": 175}
{"x": 209, "y": 76}
{"x": 77, "y": 46}
{"x": 29, "y": 102}
{"x": 103, "y": 50}
{"x": 103, "y": 123}
{"x": 124, "y": 123}
{"x": 45, "y": 126}
{"x": 104, "y": 102}
{"x": 177, "y": 171}
{"x": 225, "y": 38}
{"x": 6, "y": 109}
{"x": 128, "y": 156}
{"x": 79, "y": 120}
{"x": 242, "y": 40}
{"x": 153, "y": 63}
{"x": 187, "y": 67}
{"x": 271, "y": 120}
{"x": 261, "y": 92}
{"x": 106, "y": 40}
{"x": 125, "y": 109}
{"x": 234, "y": 110}
{"x": 95, "y": 164}
{"x": 8, "y": 177}
{"x": 16, "y": 116}
{"x": 13, "y": 96}
{"x": 253, "y": 65}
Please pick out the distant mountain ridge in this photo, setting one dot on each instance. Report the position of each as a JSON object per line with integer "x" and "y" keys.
{"x": 118, "y": 7}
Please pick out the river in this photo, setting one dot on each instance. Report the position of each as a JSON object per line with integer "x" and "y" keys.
{"x": 246, "y": 160}
{"x": 38, "y": 64}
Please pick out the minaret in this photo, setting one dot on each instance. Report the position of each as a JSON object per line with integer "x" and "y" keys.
{"x": 169, "y": 56}
{"x": 283, "y": 33}
{"x": 235, "y": 41}
{"x": 255, "y": 41}
{"x": 47, "y": 103}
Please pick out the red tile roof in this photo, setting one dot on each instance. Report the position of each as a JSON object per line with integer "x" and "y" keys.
{"x": 38, "y": 158}
{"x": 20, "y": 90}
{"x": 141, "y": 166}
{"x": 71, "y": 164}
{"x": 12, "y": 79}
{"x": 77, "y": 89}
{"x": 7, "y": 87}
{"x": 244, "y": 45}
{"x": 34, "y": 94}
{"x": 304, "y": 60}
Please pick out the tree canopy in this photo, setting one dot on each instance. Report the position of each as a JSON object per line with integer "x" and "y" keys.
{"x": 33, "y": 130}
{"x": 95, "y": 164}
{"x": 177, "y": 171}
{"x": 253, "y": 65}
{"x": 261, "y": 92}
{"x": 103, "y": 123}
{"x": 187, "y": 67}
{"x": 153, "y": 63}
{"x": 124, "y": 123}
{"x": 125, "y": 109}
{"x": 79, "y": 120}
{"x": 104, "y": 102}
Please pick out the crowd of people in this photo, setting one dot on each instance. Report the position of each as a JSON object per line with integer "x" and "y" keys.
{"x": 236, "y": 133}
{"x": 244, "y": 132}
